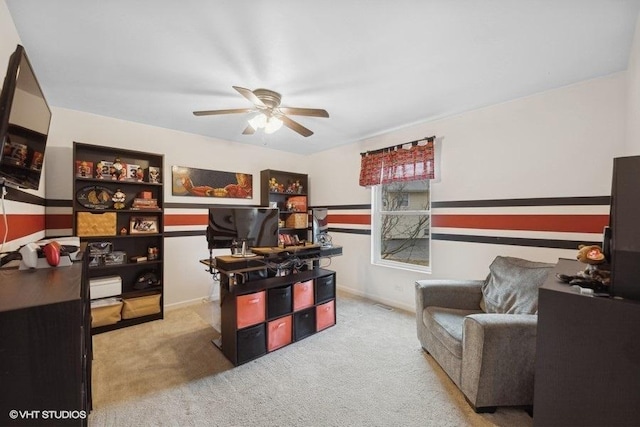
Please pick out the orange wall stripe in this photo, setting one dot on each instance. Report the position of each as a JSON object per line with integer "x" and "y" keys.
{"x": 22, "y": 225}
{"x": 59, "y": 221}
{"x": 558, "y": 223}
{"x": 361, "y": 219}
{"x": 181, "y": 219}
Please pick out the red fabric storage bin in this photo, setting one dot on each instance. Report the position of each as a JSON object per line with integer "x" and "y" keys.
{"x": 250, "y": 309}
{"x": 279, "y": 333}
{"x": 325, "y": 315}
{"x": 302, "y": 295}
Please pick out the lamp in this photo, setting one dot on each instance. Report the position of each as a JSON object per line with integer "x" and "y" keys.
{"x": 273, "y": 124}
{"x": 270, "y": 124}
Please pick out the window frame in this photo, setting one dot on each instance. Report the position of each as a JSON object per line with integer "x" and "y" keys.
{"x": 376, "y": 228}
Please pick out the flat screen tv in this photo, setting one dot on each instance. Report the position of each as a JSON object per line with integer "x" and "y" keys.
{"x": 24, "y": 124}
{"x": 622, "y": 239}
{"x": 257, "y": 226}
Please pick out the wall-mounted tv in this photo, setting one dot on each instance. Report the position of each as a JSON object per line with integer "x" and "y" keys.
{"x": 24, "y": 124}
{"x": 257, "y": 226}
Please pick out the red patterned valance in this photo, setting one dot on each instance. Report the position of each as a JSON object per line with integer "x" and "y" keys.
{"x": 397, "y": 164}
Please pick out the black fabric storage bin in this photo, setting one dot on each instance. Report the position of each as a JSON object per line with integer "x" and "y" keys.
{"x": 252, "y": 343}
{"x": 325, "y": 288}
{"x": 304, "y": 323}
{"x": 279, "y": 302}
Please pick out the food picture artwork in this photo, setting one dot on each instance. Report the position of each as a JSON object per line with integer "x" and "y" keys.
{"x": 208, "y": 183}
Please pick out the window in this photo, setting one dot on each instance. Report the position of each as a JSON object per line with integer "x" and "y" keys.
{"x": 401, "y": 225}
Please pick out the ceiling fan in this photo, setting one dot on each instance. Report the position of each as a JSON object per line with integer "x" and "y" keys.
{"x": 271, "y": 115}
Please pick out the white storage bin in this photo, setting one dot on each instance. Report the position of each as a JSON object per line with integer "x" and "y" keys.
{"x": 102, "y": 287}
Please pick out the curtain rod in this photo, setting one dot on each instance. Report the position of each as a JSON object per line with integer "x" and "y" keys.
{"x": 399, "y": 146}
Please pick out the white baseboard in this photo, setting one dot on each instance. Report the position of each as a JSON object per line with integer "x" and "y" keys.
{"x": 384, "y": 301}
{"x": 187, "y": 303}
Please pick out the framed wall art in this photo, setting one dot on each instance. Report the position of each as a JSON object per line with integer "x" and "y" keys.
{"x": 143, "y": 225}
{"x": 188, "y": 181}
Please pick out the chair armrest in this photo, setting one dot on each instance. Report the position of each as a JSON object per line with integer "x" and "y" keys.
{"x": 459, "y": 294}
{"x": 498, "y": 359}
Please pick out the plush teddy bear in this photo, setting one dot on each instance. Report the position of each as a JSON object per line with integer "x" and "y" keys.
{"x": 596, "y": 275}
{"x": 596, "y": 264}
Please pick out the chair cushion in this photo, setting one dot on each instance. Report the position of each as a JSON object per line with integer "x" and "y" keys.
{"x": 512, "y": 285}
{"x": 446, "y": 324}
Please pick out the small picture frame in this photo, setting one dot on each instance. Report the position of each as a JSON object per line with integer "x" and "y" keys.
{"x": 143, "y": 225}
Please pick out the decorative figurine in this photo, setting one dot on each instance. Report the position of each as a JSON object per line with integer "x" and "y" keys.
{"x": 154, "y": 175}
{"x": 118, "y": 199}
{"x": 118, "y": 170}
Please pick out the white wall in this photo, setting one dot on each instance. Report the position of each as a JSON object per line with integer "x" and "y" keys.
{"x": 633, "y": 91}
{"x": 554, "y": 144}
{"x": 185, "y": 278}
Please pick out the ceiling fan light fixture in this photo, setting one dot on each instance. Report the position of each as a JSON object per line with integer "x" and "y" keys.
{"x": 273, "y": 124}
{"x": 258, "y": 121}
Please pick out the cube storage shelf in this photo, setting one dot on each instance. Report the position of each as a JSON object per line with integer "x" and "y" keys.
{"x": 97, "y": 220}
{"x": 264, "y": 315}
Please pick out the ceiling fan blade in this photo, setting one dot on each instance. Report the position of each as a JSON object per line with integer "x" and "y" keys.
{"x": 249, "y": 130}
{"x": 312, "y": 112}
{"x": 248, "y": 93}
{"x": 293, "y": 125}
{"x": 216, "y": 112}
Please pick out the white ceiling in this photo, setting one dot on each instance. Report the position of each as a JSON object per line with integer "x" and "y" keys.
{"x": 373, "y": 65}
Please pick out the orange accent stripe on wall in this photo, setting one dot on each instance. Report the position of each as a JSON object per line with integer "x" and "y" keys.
{"x": 59, "y": 221}
{"x": 558, "y": 223}
{"x": 22, "y": 225}
{"x": 361, "y": 219}
{"x": 182, "y": 219}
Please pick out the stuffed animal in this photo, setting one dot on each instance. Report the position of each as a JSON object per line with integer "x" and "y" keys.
{"x": 596, "y": 275}
{"x": 596, "y": 269}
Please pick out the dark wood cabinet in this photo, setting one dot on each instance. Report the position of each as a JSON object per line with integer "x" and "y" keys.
{"x": 45, "y": 347}
{"x": 587, "y": 357}
{"x": 289, "y": 192}
{"x": 132, "y": 224}
{"x": 265, "y": 314}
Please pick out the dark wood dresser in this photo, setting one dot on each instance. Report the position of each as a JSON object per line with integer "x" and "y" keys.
{"x": 587, "y": 357}
{"x": 45, "y": 347}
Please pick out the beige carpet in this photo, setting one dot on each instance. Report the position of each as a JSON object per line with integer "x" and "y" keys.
{"x": 368, "y": 370}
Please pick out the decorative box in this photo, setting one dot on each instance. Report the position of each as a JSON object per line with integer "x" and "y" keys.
{"x": 297, "y": 203}
{"x": 96, "y": 224}
{"x": 107, "y": 286}
{"x": 99, "y": 248}
{"x": 297, "y": 220}
{"x": 115, "y": 257}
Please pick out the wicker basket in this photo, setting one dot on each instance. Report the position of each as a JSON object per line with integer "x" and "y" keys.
{"x": 297, "y": 220}
{"x": 106, "y": 314}
{"x": 141, "y": 306}
{"x": 96, "y": 224}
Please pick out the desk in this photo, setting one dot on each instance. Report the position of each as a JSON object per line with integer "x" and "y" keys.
{"x": 587, "y": 357}
{"x": 260, "y": 312}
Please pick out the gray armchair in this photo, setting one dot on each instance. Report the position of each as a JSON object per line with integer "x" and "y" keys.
{"x": 483, "y": 332}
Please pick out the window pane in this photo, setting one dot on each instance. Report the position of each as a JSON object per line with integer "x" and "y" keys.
{"x": 405, "y": 238}
{"x": 405, "y": 196}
